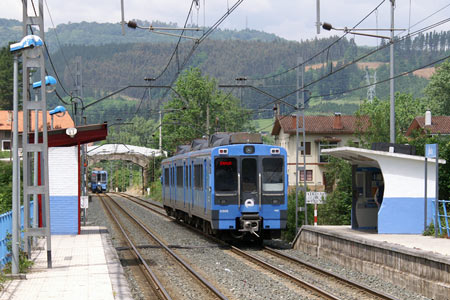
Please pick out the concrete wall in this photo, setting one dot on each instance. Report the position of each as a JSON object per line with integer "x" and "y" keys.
{"x": 63, "y": 177}
{"x": 423, "y": 272}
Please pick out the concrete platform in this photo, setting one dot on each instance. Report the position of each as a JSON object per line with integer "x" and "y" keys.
{"x": 85, "y": 266}
{"x": 420, "y": 263}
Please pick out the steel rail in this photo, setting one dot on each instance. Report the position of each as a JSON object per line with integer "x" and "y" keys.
{"x": 327, "y": 273}
{"x": 274, "y": 252}
{"x": 154, "y": 280}
{"x": 266, "y": 265}
{"x": 171, "y": 252}
{"x": 258, "y": 261}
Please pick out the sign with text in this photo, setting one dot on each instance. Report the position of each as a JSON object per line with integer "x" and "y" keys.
{"x": 315, "y": 197}
{"x": 84, "y": 202}
{"x": 430, "y": 150}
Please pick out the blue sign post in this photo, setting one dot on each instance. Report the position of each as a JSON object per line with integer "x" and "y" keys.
{"x": 432, "y": 151}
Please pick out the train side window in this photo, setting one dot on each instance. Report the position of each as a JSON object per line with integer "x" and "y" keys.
{"x": 198, "y": 177}
{"x": 225, "y": 174}
{"x": 272, "y": 176}
{"x": 166, "y": 176}
{"x": 180, "y": 176}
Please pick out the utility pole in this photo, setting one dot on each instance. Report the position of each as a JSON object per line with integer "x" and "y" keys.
{"x": 160, "y": 130}
{"x": 391, "y": 74}
{"x": 29, "y": 188}
{"x": 79, "y": 77}
{"x": 300, "y": 113}
{"x": 207, "y": 119}
{"x": 16, "y": 170}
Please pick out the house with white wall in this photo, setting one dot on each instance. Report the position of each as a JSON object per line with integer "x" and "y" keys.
{"x": 321, "y": 132}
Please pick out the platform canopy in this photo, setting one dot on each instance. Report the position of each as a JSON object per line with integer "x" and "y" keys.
{"x": 402, "y": 208}
{"x": 109, "y": 149}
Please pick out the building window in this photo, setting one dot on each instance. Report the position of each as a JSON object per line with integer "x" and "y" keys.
{"x": 325, "y": 145}
{"x": 6, "y": 145}
{"x": 307, "y": 148}
{"x": 309, "y": 175}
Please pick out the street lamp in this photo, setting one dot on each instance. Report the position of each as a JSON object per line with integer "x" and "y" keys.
{"x": 28, "y": 43}
{"x": 56, "y": 111}
{"x": 50, "y": 86}
{"x": 328, "y": 26}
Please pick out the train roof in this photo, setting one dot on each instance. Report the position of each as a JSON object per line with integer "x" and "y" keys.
{"x": 221, "y": 139}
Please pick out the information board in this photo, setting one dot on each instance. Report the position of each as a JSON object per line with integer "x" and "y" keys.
{"x": 315, "y": 197}
{"x": 84, "y": 202}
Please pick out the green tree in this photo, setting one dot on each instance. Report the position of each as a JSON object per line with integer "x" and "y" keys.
{"x": 406, "y": 109}
{"x": 138, "y": 132}
{"x": 184, "y": 122}
{"x": 438, "y": 90}
{"x": 6, "y": 79}
{"x": 338, "y": 206}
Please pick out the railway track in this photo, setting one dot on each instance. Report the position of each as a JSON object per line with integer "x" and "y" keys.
{"x": 292, "y": 268}
{"x": 204, "y": 289}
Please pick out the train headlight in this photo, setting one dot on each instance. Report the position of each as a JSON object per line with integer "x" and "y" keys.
{"x": 223, "y": 151}
{"x": 274, "y": 150}
{"x": 249, "y": 149}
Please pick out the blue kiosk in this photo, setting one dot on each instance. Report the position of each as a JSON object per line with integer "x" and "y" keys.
{"x": 389, "y": 190}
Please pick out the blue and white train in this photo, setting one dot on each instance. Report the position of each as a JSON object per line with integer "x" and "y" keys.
{"x": 99, "y": 181}
{"x": 234, "y": 191}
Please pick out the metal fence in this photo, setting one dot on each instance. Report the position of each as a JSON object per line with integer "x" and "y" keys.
{"x": 443, "y": 216}
{"x": 5, "y": 229}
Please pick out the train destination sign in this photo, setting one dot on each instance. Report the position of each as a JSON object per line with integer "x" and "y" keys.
{"x": 315, "y": 197}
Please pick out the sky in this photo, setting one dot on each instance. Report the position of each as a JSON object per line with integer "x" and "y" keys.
{"x": 289, "y": 19}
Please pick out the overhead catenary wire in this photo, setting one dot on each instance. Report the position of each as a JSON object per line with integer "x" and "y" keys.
{"x": 361, "y": 58}
{"x": 59, "y": 43}
{"x": 321, "y": 51}
{"x": 363, "y": 87}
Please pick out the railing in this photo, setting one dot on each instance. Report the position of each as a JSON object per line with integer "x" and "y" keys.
{"x": 5, "y": 229}
{"x": 443, "y": 217}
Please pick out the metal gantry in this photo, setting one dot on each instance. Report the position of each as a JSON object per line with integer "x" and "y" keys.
{"x": 34, "y": 60}
{"x": 300, "y": 113}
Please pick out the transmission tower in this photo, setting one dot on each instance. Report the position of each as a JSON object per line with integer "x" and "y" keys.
{"x": 371, "y": 92}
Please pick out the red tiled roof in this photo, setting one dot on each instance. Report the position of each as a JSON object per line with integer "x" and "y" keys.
{"x": 64, "y": 121}
{"x": 439, "y": 125}
{"x": 321, "y": 124}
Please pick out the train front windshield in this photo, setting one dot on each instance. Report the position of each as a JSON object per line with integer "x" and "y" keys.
{"x": 225, "y": 175}
{"x": 102, "y": 177}
{"x": 272, "y": 176}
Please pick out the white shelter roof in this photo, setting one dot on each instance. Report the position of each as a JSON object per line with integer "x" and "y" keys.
{"x": 365, "y": 155}
{"x": 123, "y": 149}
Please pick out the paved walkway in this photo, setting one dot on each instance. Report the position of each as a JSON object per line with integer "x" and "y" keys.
{"x": 412, "y": 241}
{"x": 85, "y": 266}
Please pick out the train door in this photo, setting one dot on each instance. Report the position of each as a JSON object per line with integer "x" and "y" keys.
{"x": 192, "y": 185}
{"x": 205, "y": 196}
{"x": 250, "y": 183}
{"x": 184, "y": 184}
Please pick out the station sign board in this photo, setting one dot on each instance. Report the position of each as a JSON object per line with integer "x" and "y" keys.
{"x": 315, "y": 197}
{"x": 84, "y": 202}
{"x": 430, "y": 150}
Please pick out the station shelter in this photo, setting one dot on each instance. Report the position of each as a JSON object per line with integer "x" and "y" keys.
{"x": 65, "y": 175}
{"x": 388, "y": 190}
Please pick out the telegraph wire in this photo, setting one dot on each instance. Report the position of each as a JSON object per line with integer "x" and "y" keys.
{"x": 59, "y": 43}
{"x": 320, "y": 52}
{"x": 364, "y": 56}
{"x": 361, "y": 87}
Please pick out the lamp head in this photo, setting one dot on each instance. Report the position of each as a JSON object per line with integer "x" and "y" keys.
{"x": 28, "y": 42}
{"x": 327, "y": 26}
{"x": 50, "y": 84}
{"x": 71, "y": 131}
{"x": 58, "y": 109}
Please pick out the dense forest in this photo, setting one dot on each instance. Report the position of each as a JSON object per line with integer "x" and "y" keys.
{"x": 111, "y": 61}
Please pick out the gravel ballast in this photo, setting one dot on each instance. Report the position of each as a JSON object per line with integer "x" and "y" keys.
{"x": 235, "y": 277}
